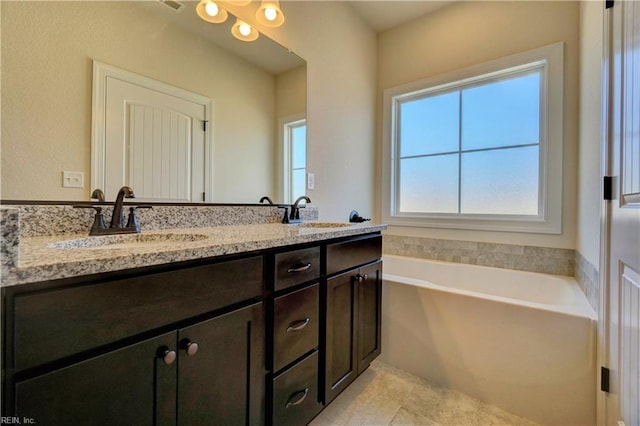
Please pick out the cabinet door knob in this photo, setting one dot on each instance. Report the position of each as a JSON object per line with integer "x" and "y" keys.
{"x": 299, "y": 268}
{"x": 167, "y": 355}
{"x": 190, "y": 347}
{"x": 297, "y": 398}
{"x": 298, "y": 325}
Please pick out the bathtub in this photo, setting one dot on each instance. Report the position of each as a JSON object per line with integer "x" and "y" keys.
{"x": 523, "y": 341}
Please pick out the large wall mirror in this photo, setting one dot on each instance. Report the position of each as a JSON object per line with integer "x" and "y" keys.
{"x": 48, "y": 55}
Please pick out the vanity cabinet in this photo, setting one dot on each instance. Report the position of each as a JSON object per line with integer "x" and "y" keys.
{"x": 268, "y": 337}
{"x": 353, "y": 311}
{"x": 194, "y": 373}
{"x": 162, "y": 348}
{"x": 296, "y": 337}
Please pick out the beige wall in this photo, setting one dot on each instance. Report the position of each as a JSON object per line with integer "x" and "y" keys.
{"x": 469, "y": 33}
{"x": 47, "y": 49}
{"x": 589, "y": 148}
{"x": 340, "y": 51}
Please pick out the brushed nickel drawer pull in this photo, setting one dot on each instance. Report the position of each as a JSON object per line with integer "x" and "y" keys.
{"x": 298, "y": 325}
{"x": 291, "y": 403}
{"x": 299, "y": 268}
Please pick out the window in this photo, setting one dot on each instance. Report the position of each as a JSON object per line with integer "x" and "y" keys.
{"x": 479, "y": 148}
{"x": 294, "y": 133}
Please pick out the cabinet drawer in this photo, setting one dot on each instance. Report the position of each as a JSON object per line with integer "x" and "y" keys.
{"x": 59, "y": 323}
{"x": 352, "y": 253}
{"x": 295, "y": 393}
{"x": 297, "y": 267}
{"x": 296, "y": 325}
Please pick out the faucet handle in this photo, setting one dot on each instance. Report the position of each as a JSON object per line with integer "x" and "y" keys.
{"x": 285, "y": 218}
{"x": 98, "y": 220}
{"x": 132, "y": 220}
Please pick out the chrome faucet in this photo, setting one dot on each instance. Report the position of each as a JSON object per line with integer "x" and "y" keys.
{"x": 295, "y": 210}
{"x": 117, "y": 218}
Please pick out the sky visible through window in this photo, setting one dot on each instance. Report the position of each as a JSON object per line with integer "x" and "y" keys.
{"x": 299, "y": 160}
{"x": 472, "y": 150}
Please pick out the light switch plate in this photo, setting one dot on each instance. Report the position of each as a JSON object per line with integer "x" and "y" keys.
{"x": 311, "y": 180}
{"x": 72, "y": 179}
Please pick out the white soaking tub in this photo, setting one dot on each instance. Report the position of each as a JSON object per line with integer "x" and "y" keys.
{"x": 523, "y": 341}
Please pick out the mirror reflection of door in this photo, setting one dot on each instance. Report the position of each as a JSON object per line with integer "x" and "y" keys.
{"x": 294, "y": 135}
{"x": 154, "y": 140}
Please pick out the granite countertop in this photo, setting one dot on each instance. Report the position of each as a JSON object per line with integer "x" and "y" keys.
{"x": 54, "y": 257}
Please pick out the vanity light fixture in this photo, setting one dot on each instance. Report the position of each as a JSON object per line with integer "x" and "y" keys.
{"x": 211, "y": 11}
{"x": 243, "y": 31}
{"x": 238, "y": 2}
{"x": 269, "y": 13}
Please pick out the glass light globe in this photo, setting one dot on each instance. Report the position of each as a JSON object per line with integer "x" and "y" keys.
{"x": 270, "y": 13}
{"x": 211, "y": 9}
{"x": 244, "y": 29}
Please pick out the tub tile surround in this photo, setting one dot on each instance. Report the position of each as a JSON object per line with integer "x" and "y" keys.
{"x": 509, "y": 256}
{"x": 385, "y": 395}
{"x": 588, "y": 279}
{"x": 545, "y": 260}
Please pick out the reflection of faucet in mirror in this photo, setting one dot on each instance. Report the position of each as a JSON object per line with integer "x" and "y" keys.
{"x": 267, "y": 199}
{"x": 97, "y": 194}
{"x": 295, "y": 209}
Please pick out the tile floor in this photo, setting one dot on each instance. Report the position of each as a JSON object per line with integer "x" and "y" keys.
{"x": 384, "y": 395}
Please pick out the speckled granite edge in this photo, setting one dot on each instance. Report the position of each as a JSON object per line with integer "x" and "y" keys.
{"x": 588, "y": 278}
{"x": 547, "y": 260}
{"x": 10, "y": 239}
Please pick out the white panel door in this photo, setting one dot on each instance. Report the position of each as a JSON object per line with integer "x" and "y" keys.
{"x": 154, "y": 142}
{"x": 622, "y": 288}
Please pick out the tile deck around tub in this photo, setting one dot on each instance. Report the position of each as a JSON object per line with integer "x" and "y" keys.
{"x": 384, "y": 395}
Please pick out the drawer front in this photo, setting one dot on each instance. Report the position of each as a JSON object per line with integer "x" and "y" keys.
{"x": 296, "y": 325}
{"x": 297, "y": 267}
{"x": 352, "y": 253}
{"x": 295, "y": 393}
{"x": 59, "y": 323}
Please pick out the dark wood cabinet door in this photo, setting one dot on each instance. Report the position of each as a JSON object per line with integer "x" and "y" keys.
{"x": 130, "y": 386}
{"x": 340, "y": 345}
{"x": 221, "y": 381}
{"x": 369, "y": 314}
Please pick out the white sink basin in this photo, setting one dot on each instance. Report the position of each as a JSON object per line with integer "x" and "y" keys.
{"x": 324, "y": 225}
{"x": 126, "y": 241}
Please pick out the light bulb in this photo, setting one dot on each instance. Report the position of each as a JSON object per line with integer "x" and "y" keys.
{"x": 211, "y": 9}
{"x": 270, "y": 13}
{"x": 244, "y": 29}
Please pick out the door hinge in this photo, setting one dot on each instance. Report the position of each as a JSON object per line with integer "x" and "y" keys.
{"x": 204, "y": 125}
{"x": 608, "y": 4}
{"x": 204, "y": 196}
{"x": 607, "y": 188}
{"x": 604, "y": 379}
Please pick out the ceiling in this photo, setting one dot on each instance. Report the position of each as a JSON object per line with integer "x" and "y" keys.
{"x": 382, "y": 15}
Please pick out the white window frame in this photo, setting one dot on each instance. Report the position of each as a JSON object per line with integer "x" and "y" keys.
{"x": 549, "y": 219}
{"x": 286, "y": 126}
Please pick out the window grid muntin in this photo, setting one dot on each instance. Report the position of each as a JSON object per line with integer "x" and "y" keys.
{"x": 539, "y": 67}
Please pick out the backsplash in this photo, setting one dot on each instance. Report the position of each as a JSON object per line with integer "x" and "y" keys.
{"x": 40, "y": 220}
{"x": 509, "y": 256}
